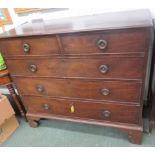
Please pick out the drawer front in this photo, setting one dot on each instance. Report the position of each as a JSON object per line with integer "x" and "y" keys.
{"x": 104, "y": 42}
{"x": 30, "y": 46}
{"x": 106, "y": 67}
{"x": 82, "y": 109}
{"x": 86, "y": 89}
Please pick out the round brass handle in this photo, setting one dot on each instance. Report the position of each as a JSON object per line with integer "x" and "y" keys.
{"x": 33, "y": 68}
{"x": 26, "y": 48}
{"x": 46, "y": 106}
{"x": 102, "y": 44}
{"x": 40, "y": 88}
{"x": 106, "y": 113}
{"x": 105, "y": 92}
{"x": 103, "y": 69}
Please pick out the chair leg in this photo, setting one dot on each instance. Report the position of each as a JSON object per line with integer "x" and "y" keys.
{"x": 14, "y": 96}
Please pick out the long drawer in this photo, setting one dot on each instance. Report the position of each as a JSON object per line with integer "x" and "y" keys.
{"x": 106, "y": 67}
{"x": 83, "y": 109}
{"x": 44, "y": 45}
{"x": 122, "y": 91}
{"x": 104, "y": 42}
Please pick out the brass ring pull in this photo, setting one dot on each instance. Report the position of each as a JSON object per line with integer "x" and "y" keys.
{"x": 105, "y": 92}
{"x": 33, "y": 68}
{"x": 26, "y": 48}
{"x": 102, "y": 44}
{"x": 106, "y": 113}
{"x": 103, "y": 69}
{"x": 40, "y": 88}
{"x": 46, "y": 106}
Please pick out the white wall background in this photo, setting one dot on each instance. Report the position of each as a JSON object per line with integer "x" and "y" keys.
{"x": 104, "y": 6}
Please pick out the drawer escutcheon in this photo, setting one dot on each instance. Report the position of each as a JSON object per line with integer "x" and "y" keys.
{"x": 40, "y": 88}
{"x": 103, "y": 69}
{"x": 102, "y": 44}
{"x": 72, "y": 109}
{"x": 33, "y": 68}
{"x": 105, "y": 92}
{"x": 46, "y": 106}
{"x": 106, "y": 113}
{"x": 26, "y": 48}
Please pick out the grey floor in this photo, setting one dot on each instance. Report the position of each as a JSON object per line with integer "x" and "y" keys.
{"x": 59, "y": 133}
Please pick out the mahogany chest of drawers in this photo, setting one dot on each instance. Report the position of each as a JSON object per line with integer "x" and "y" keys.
{"x": 90, "y": 69}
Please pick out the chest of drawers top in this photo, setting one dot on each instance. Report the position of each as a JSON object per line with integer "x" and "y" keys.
{"x": 106, "y": 21}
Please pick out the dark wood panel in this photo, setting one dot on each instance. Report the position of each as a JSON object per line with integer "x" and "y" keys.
{"x": 105, "y": 67}
{"x": 91, "y": 110}
{"x": 37, "y": 46}
{"x": 85, "y": 89}
{"x": 104, "y": 42}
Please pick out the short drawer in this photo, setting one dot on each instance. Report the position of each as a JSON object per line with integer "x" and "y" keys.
{"x": 85, "y": 89}
{"x": 102, "y": 111}
{"x": 101, "y": 68}
{"x": 44, "y": 45}
{"x": 130, "y": 41}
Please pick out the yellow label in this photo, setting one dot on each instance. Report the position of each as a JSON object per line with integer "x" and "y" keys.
{"x": 72, "y": 109}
